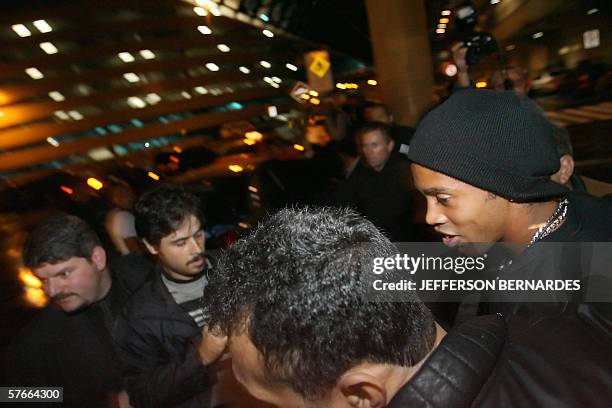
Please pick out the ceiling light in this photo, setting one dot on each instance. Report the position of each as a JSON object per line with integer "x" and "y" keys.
{"x": 274, "y": 85}
{"x": 291, "y": 67}
{"x": 126, "y": 57}
{"x": 537, "y": 35}
{"x": 215, "y": 11}
{"x": 200, "y": 11}
{"x": 440, "y": 31}
{"x": 21, "y": 30}
{"x": 212, "y": 66}
{"x": 153, "y": 98}
{"x": 34, "y": 73}
{"x": 56, "y": 96}
{"x": 53, "y": 142}
{"x": 276, "y": 79}
{"x": 131, "y": 77}
{"x": 268, "y": 33}
{"x": 446, "y": 12}
{"x": 510, "y": 47}
{"x": 136, "y": 102}
{"x": 441, "y": 25}
{"x": 186, "y": 95}
{"x": 244, "y": 70}
{"x": 76, "y": 115}
{"x": 592, "y": 11}
{"x": 147, "y": 54}
{"x": 372, "y": 82}
{"x": 495, "y": 1}
{"x": 200, "y": 90}
{"x": 265, "y": 64}
{"x": 444, "y": 20}
{"x": 272, "y": 111}
{"x": 223, "y": 48}
{"x": 204, "y": 30}
{"x": 340, "y": 85}
{"x": 264, "y": 17}
{"x": 61, "y": 115}
{"x": 42, "y": 26}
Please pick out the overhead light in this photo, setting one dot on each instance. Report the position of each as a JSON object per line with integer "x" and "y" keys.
{"x": 249, "y": 142}
{"x": 372, "y": 82}
{"x": 147, "y": 144}
{"x": 34, "y": 73}
{"x": 147, "y": 54}
{"x": 235, "y": 168}
{"x": 131, "y": 77}
{"x": 254, "y": 135}
{"x": 510, "y": 47}
{"x": 153, "y": 98}
{"x": 440, "y": 31}
{"x": 264, "y": 17}
{"x": 315, "y": 101}
{"x": 298, "y": 147}
{"x": 265, "y": 64}
{"x": 67, "y": 190}
{"x": 268, "y": 79}
{"x": 446, "y": 12}
{"x": 291, "y": 67}
{"x": 53, "y": 142}
{"x": 313, "y": 93}
{"x": 76, "y": 115}
{"x": 244, "y": 70}
{"x": 48, "y": 47}
{"x": 61, "y": 115}
{"x": 21, "y": 30}
{"x": 481, "y": 84}
{"x": 537, "y": 35}
{"x": 340, "y": 85}
{"x": 272, "y": 111}
{"x": 592, "y": 11}
{"x": 200, "y": 90}
{"x": 200, "y": 11}
{"x": 153, "y": 176}
{"x": 136, "y": 102}
{"x": 444, "y": 20}
{"x": 212, "y": 66}
{"x": 126, "y": 57}
{"x": 42, "y": 26}
{"x": 268, "y": 33}
{"x": 56, "y": 96}
{"x": 441, "y": 25}
{"x": 204, "y": 30}
{"x": 186, "y": 95}
{"x": 223, "y": 48}
{"x": 274, "y": 85}
{"x": 450, "y": 70}
{"x": 276, "y": 79}
{"x": 94, "y": 183}
{"x": 215, "y": 11}
{"x": 495, "y": 1}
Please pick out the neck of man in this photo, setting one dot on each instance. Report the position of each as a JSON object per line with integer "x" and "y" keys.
{"x": 526, "y": 219}
{"x": 399, "y": 376}
{"x": 106, "y": 281}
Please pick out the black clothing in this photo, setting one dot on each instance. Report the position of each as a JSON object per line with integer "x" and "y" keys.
{"x": 74, "y": 351}
{"x": 157, "y": 342}
{"x": 384, "y": 197}
{"x": 401, "y": 135}
{"x": 482, "y": 364}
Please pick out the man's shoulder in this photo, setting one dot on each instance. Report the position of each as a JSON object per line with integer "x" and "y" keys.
{"x": 594, "y": 215}
{"x": 146, "y": 301}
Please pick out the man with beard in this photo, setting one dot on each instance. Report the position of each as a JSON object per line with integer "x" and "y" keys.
{"x": 69, "y": 344}
{"x": 164, "y": 342}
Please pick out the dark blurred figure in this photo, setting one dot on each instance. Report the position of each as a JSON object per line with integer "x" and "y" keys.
{"x": 68, "y": 343}
{"x": 401, "y": 135}
{"x": 380, "y": 187}
{"x": 119, "y": 222}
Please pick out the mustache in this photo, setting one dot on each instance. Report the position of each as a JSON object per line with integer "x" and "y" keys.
{"x": 196, "y": 258}
{"x": 61, "y": 296}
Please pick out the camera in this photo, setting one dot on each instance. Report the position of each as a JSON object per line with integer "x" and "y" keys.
{"x": 477, "y": 43}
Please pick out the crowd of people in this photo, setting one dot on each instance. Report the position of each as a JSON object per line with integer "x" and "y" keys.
{"x": 281, "y": 317}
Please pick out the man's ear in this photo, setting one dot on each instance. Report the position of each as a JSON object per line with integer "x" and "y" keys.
{"x": 98, "y": 257}
{"x": 150, "y": 247}
{"x": 391, "y": 145}
{"x": 566, "y": 169}
{"x": 362, "y": 390}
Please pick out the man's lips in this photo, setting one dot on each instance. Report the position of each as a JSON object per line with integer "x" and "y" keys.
{"x": 449, "y": 239}
{"x": 199, "y": 261}
{"x": 62, "y": 298}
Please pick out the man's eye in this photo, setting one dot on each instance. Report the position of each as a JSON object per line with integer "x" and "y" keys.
{"x": 65, "y": 274}
{"x": 443, "y": 199}
{"x": 180, "y": 243}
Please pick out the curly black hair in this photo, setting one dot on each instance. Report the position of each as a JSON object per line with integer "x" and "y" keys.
{"x": 160, "y": 212}
{"x": 296, "y": 285}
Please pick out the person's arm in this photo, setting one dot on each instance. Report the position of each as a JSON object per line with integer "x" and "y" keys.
{"x": 463, "y": 76}
{"x": 153, "y": 380}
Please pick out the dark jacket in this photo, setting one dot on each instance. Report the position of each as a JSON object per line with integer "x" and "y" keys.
{"x": 384, "y": 197}
{"x": 74, "y": 351}
{"x": 157, "y": 342}
{"x": 482, "y": 364}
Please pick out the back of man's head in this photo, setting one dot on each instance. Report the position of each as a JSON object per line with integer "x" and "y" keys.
{"x": 59, "y": 238}
{"x": 377, "y": 112}
{"x": 296, "y": 286}
{"x": 160, "y": 212}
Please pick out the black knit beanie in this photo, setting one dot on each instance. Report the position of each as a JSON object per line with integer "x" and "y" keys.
{"x": 500, "y": 142}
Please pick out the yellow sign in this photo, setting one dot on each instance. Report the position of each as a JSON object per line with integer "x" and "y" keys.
{"x": 319, "y": 66}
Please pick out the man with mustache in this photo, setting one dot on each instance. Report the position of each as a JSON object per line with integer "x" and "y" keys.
{"x": 68, "y": 344}
{"x": 164, "y": 341}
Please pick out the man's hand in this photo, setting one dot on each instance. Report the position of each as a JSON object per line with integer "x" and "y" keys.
{"x": 211, "y": 346}
{"x": 463, "y": 78}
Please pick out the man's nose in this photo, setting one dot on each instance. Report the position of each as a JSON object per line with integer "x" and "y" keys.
{"x": 52, "y": 287}
{"x": 434, "y": 216}
{"x": 196, "y": 245}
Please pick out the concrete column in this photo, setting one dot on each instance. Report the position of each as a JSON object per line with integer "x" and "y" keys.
{"x": 398, "y": 31}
